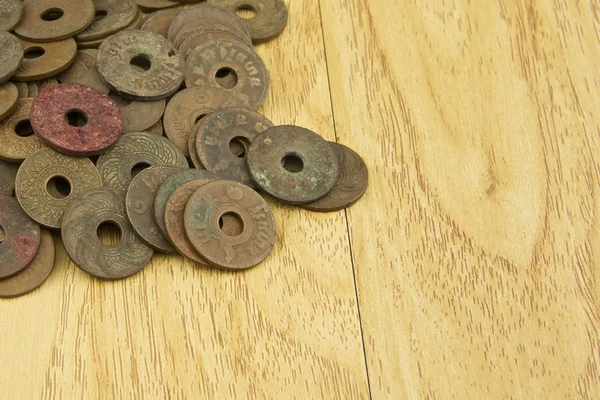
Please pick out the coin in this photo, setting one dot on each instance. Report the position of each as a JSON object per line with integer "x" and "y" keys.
{"x": 92, "y": 79}
{"x": 270, "y": 15}
{"x": 293, "y": 164}
{"x": 48, "y": 182}
{"x": 9, "y": 95}
{"x": 138, "y": 115}
{"x": 80, "y": 226}
{"x": 158, "y": 70}
{"x": 249, "y": 245}
{"x": 156, "y": 129}
{"x": 170, "y": 185}
{"x": 44, "y": 60}
{"x": 195, "y": 39}
{"x": 134, "y": 152}
{"x": 139, "y": 204}
{"x": 53, "y": 20}
{"x": 8, "y": 173}
{"x": 151, "y": 5}
{"x": 35, "y": 274}
{"x": 159, "y": 21}
{"x": 214, "y": 18}
{"x": 12, "y": 56}
{"x": 21, "y": 238}
{"x": 232, "y": 66}
{"x": 17, "y": 141}
{"x": 76, "y": 120}
{"x": 223, "y": 140}
{"x": 10, "y": 14}
{"x": 110, "y": 16}
{"x": 84, "y": 60}
{"x": 192, "y": 145}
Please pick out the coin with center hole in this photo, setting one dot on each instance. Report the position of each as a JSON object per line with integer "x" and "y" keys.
{"x": 12, "y": 56}
{"x": 17, "y": 141}
{"x": 21, "y": 238}
{"x": 35, "y": 274}
{"x": 197, "y": 38}
{"x": 76, "y": 120}
{"x": 293, "y": 164}
{"x": 223, "y": 140}
{"x": 235, "y": 249}
{"x": 53, "y": 20}
{"x": 139, "y": 115}
{"x": 110, "y": 16}
{"x": 160, "y": 21}
{"x": 47, "y": 182}
{"x": 270, "y": 15}
{"x": 10, "y": 14}
{"x": 140, "y": 65}
{"x": 232, "y": 66}
{"x": 9, "y": 96}
{"x": 84, "y": 60}
{"x": 206, "y": 13}
{"x": 44, "y": 60}
{"x": 94, "y": 44}
{"x": 134, "y": 152}
{"x": 139, "y": 204}
{"x": 8, "y": 174}
{"x": 80, "y": 226}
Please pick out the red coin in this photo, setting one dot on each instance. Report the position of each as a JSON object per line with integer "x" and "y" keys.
{"x": 76, "y": 120}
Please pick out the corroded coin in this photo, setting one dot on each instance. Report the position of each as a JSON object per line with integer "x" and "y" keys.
{"x": 270, "y": 15}
{"x": 208, "y": 14}
{"x": 232, "y": 66}
{"x": 140, "y": 65}
{"x": 134, "y": 152}
{"x": 195, "y": 39}
{"x": 76, "y": 120}
{"x": 139, "y": 204}
{"x": 293, "y": 164}
{"x": 44, "y": 60}
{"x": 9, "y": 96}
{"x": 223, "y": 141}
{"x": 48, "y": 182}
{"x": 17, "y": 141}
{"x": 21, "y": 238}
{"x": 138, "y": 115}
{"x": 35, "y": 274}
{"x": 12, "y": 55}
{"x": 8, "y": 174}
{"x": 160, "y": 21}
{"x": 84, "y": 60}
{"x": 80, "y": 226}
{"x": 193, "y": 154}
{"x": 237, "y": 249}
{"x": 10, "y": 14}
{"x": 52, "y": 20}
{"x": 111, "y": 16}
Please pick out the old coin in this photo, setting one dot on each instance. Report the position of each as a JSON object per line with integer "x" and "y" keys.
{"x": 21, "y": 238}
{"x": 52, "y": 20}
{"x": 193, "y": 154}
{"x": 35, "y": 274}
{"x": 12, "y": 56}
{"x": 17, "y": 141}
{"x": 80, "y": 226}
{"x": 76, "y": 120}
{"x": 111, "y": 16}
{"x": 168, "y": 187}
{"x": 248, "y": 246}
{"x": 352, "y": 183}
{"x": 139, "y": 204}
{"x": 224, "y": 21}
{"x": 48, "y": 182}
{"x": 134, "y": 152}
{"x": 8, "y": 174}
{"x": 215, "y": 63}
{"x": 205, "y": 13}
{"x": 188, "y": 107}
{"x": 140, "y": 65}
{"x": 92, "y": 79}
{"x": 44, "y": 60}
{"x": 223, "y": 141}
{"x": 9, "y": 96}
{"x": 195, "y": 39}
{"x": 138, "y": 115}
{"x": 156, "y": 129}
{"x": 84, "y": 60}
{"x": 293, "y": 164}
{"x": 152, "y": 5}
{"x": 10, "y": 14}
{"x": 270, "y": 15}
{"x": 160, "y": 21}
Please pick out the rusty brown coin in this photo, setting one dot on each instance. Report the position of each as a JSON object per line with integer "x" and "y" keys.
{"x": 138, "y": 115}
{"x": 139, "y": 204}
{"x": 110, "y": 16}
{"x": 232, "y": 66}
{"x": 233, "y": 249}
{"x": 35, "y": 274}
{"x": 53, "y": 20}
{"x": 152, "y": 5}
{"x": 160, "y": 21}
{"x": 81, "y": 222}
{"x": 196, "y": 39}
{"x": 8, "y": 174}
{"x": 10, "y": 14}
{"x": 17, "y": 140}
{"x": 44, "y": 60}
{"x": 21, "y": 238}
{"x": 193, "y": 154}
{"x": 84, "y": 60}
{"x": 48, "y": 182}
{"x": 269, "y": 19}
{"x": 11, "y": 57}
{"x": 134, "y": 152}
{"x": 140, "y": 65}
{"x": 293, "y": 164}
{"x": 206, "y": 13}
{"x": 9, "y": 96}
{"x": 76, "y": 120}
{"x": 223, "y": 141}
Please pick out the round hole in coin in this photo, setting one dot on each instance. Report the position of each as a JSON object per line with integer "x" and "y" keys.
{"x": 246, "y": 11}
{"x": 100, "y": 14}
{"x": 292, "y": 163}
{"x": 238, "y": 146}
{"x": 231, "y": 224}
{"x": 52, "y": 14}
{"x": 109, "y": 233}
{"x": 2, "y": 234}
{"x": 121, "y": 102}
{"x": 59, "y": 187}
{"x": 139, "y": 167}
{"x": 23, "y": 128}
{"x": 141, "y": 62}
{"x": 76, "y": 118}
{"x": 34, "y": 52}
{"x": 226, "y": 77}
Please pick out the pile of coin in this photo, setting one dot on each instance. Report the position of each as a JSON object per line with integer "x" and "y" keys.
{"x": 88, "y": 92}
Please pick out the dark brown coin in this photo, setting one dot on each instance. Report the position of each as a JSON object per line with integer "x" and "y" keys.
{"x": 152, "y": 5}
{"x": 232, "y": 66}
{"x": 12, "y": 55}
{"x": 232, "y": 249}
{"x": 21, "y": 238}
{"x": 352, "y": 184}
{"x": 139, "y": 203}
{"x": 206, "y": 13}
{"x": 76, "y": 120}
{"x": 35, "y": 274}
{"x": 111, "y": 16}
{"x": 187, "y": 107}
{"x": 84, "y": 60}
{"x": 80, "y": 226}
{"x": 8, "y": 174}
{"x": 293, "y": 164}
{"x": 10, "y": 14}
{"x": 52, "y": 20}
{"x": 192, "y": 146}
{"x": 44, "y": 60}
{"x": 140, "y": 65}
{"x": 134, "y": 152}
{"x": 270, "y": 15}
{"x": 223, "y": 139}
{"x": 196, "y": 39}
{"x": 160, "y": 21}
{"x": 138, "y": 115}
{"x": 17, "y": 141}
{"x": 9, "y": 96}
{"x": 170, "y": 185}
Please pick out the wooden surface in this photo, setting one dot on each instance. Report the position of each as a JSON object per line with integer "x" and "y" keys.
{"x": 469, "y": 269}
